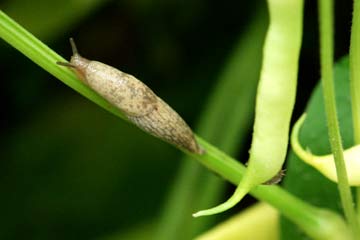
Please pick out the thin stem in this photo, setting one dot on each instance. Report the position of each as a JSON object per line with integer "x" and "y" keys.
{"x": 354, "y": 70}
{"x": 314, "y": 221}
{"x": 326, "y": 54}
{"x": 355, "y": 79}
{"x": 357, "y": 199}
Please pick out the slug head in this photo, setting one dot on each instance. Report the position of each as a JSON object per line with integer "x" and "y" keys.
{"x": 77, "y": 62}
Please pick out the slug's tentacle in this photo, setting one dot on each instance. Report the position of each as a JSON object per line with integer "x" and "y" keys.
{"x": 73, "y": 46}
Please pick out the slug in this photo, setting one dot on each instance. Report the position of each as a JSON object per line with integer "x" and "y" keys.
{"x": 137, "y": 101}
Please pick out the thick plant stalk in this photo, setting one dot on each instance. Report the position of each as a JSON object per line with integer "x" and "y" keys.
{"x": 275, "y": 99}
{"x": 354, "y": 70}
{"x": 355, "y": 81}
{"x": 326, "y": 8}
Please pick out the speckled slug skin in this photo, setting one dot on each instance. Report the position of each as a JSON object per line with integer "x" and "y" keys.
{"x": 139, "y": 103}
{"x": 166, "y": 124}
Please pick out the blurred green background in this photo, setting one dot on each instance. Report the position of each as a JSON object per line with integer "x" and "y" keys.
{"x": 69, "y": 169}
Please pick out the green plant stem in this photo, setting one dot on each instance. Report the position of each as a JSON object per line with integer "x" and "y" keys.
{"x": 314, "y": 221}
{"x": 355, "y": 80}
{"x": 354, "y": 70}
{"x": 358, "y": 203}
{"x": 326, "y": 56}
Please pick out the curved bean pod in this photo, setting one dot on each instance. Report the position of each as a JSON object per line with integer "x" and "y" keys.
{"x": 275, "y": 99}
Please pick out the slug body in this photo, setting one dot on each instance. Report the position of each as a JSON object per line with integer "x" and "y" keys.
{"x": 138, "y": 102}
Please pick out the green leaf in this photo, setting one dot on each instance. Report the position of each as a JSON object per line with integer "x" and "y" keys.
{"x": 301, "y": 179}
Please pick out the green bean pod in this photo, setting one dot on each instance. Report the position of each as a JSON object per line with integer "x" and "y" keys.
{"x": 275, "y": 99}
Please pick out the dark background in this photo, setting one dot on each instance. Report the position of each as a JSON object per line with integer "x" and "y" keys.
{"x": 69, "y": 169}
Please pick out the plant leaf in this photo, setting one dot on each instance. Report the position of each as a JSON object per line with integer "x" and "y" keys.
{"x": 303, "y": 180}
